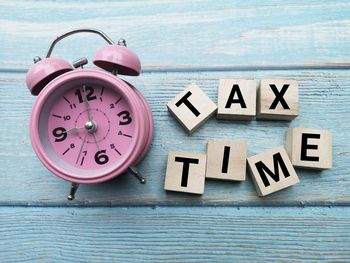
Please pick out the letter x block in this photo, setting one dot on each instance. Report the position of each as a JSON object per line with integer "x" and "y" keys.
{"x": 278, "y": 99}
{"x": 236, "y": 99}
{"x": 272, "y": 171}
{"x": 226, "y": 160}
{"x": 309, "y": 148}
{"x": 192, "y": 107}
{"x": 185, "y": 172}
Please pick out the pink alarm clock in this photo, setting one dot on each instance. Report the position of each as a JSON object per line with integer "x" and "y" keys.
{"x": 87, "y": 125}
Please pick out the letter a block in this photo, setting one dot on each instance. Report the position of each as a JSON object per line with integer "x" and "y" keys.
{"x": 185, "y": 172}
{"x": 272, "y": 171}
{"x": 278, "y": 99}
{"x": 192, "y": 107}
{"x": 236, "y": 99}
{"x": 309, "y": 148}
{"x": 226, "y": 160}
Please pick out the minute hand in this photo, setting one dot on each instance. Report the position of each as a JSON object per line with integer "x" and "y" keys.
{"x": 87, "y": 104}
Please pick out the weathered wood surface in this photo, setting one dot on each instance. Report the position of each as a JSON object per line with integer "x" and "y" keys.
{"x": 179, "y": 43}
{"x": 177, "y": 33}
{"x": 324, "y": 103}
{"x": 175, "y": 235}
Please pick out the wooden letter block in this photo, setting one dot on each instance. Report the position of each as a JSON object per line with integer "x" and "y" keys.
{"x": 272, "y": 171}
{"x": 226, "y": 160}
{"x": 192, "y": 107}
{"x": 185, "y": 172}
{"x": 309, "y": 148}
{"x": 236, "y": 99}
{"x": 278, "y": 99}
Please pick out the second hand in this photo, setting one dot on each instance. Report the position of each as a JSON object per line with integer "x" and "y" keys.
{"x": 81, "y": 148}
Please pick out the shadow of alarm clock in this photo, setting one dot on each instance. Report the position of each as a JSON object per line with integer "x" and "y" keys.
{"x": 87, "y": 125}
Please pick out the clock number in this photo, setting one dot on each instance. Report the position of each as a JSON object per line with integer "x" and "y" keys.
{"x": 89, "y": 94}
{"x": 60, "y": 133}
{"x": 126, "y": 117}
{"x": 66, "y": 118}
{"x": 101, "y": 157}
{"x": 113, "y": 105}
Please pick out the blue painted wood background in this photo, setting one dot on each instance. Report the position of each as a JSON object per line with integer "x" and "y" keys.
{"x": 180, "y": 42}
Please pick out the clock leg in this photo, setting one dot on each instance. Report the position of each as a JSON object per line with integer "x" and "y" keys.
{"x": 137, "y": 174}
{"x": 73, "y": 190}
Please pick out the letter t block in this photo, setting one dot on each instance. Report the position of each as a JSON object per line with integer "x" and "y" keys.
{"x": 185, "y": 172}
{"x": 272, "y": 171}
{"x": 192, "y": 107}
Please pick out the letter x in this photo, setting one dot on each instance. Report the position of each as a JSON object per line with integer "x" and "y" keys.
{"x": 279, "y": 96}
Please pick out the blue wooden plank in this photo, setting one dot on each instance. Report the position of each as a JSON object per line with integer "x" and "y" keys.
{"x": 177, "y": 33}
{"x": 174, "y": 234}
{"x": 324, "y": 97}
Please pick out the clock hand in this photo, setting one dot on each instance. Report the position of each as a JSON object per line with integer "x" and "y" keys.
{"x": 74, "y": 130}
{"x": 98, "y": 147}
{"x": 81, "y": 147}
{"x": 87, "y": 103}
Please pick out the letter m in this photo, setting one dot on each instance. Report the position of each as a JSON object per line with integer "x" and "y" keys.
{"x": 264, "y": 170}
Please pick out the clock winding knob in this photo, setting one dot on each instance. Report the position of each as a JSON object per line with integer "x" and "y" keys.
{"x": 80, "y": 62}
{"x": 122, "y": 42}
{"x": 36, "y": 59}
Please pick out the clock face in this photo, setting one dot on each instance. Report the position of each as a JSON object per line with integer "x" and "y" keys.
{"x": 87, "y": 126}
{"x": 90, "y": 126}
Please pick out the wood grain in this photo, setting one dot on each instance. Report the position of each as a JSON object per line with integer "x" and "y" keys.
{"x": 177, "y": 33}
{"x": 324, "y": 99}
{"x": 175, "y": 235}
{"x": 179, "y": 43}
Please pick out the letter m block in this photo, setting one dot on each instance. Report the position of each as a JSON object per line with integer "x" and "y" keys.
{"x": 272, "y": 171}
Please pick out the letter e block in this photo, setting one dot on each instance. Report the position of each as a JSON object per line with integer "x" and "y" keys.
{"x": 226, "y": 160}
{"x": 192, "y": 107}
{"x": 272, "y": 171}
{"x": 185, "y": 172}
{"x": 236, "y": 99}
{"x": 278, "y": 99}
{"x": 309, "y": 148}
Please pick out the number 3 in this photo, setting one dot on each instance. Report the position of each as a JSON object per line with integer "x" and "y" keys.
{"x": 126, "y": 117}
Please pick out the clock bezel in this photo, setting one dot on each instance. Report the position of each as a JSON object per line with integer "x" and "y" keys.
{"x": 82, "y": 175}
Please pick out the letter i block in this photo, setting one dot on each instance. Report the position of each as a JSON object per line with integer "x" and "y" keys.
{"x": 236, "y": 99}
{"x": 226, "y": 160}
{"x": 185, "y": 172}
{"x": 192, "y": 107}
{"x": 278, "y": 99}
{"x": 309, "y": 148}
{"x": 272, "y": 171}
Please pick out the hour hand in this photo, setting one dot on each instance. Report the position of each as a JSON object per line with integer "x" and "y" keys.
{"x": 74, "y": 130}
